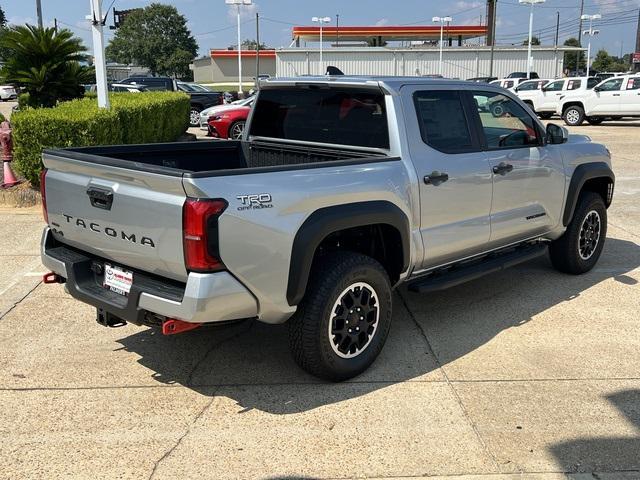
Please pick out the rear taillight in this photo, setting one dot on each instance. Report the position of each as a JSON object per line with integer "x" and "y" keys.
{"x": 43, "y": 194}
{"x": 200, "y": 234}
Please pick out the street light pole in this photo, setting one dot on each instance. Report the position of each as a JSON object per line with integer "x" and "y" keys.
{"x": 591, "y": 32}
{"x": 97, "y": 22}
{"x": 441, "y": 21}
{"x": 529, "y": 57}
{"x": 238, "y": 3}
{"x": 321, "y": 21}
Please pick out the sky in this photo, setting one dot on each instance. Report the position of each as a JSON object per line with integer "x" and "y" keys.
{"x": 214, "y": 24}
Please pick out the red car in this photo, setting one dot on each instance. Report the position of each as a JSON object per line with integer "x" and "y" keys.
{"x": 228, "y": 123}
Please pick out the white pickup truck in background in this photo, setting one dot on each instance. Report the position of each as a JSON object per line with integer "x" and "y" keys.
{"x": 545, "y": 100}
{"x": 612, "y": 99}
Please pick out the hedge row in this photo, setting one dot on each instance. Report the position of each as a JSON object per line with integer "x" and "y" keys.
{"x": 149, "y": 117}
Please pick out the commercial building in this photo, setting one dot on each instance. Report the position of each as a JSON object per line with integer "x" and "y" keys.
{"x": 458, "y": 62}
{"x": 220, "y": 68}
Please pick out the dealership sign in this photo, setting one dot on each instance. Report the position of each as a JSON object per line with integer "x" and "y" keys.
{"x": 635, "y": 57}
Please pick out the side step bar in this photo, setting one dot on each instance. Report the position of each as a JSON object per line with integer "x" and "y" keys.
{"x": 471, "y": 270}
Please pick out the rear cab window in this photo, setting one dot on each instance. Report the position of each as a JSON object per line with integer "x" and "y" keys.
{"x": 554, "y": 86}
{"x": 335, "y": 115}
{"x": 633, "y": 83}
{"x": 573, "y": 84}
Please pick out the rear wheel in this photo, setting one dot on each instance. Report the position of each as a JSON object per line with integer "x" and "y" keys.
{"x": 574, "y": 116}
{"x": 545, "y": 115}
{"x": 578, "y": 250}
{"x": 343, "y": 321}
{"x": 194, "y": 117}
{"x": 236, "y": 130}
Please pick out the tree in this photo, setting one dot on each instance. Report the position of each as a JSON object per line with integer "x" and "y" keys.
{"x": 3, "y": 18}
{"x": 571, "y": 58}
{"x": 155, "y": 37}
{"x": 45, "y": 63}
{"x": 248, "y": 44}
{"x": 603, "y": 62}
{"x": 534, "y": 41}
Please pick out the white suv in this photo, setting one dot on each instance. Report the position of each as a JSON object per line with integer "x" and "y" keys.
{"x": 613, "y": 98}
{"x": 7, "y": 92}
{"x": 545, "y": 100}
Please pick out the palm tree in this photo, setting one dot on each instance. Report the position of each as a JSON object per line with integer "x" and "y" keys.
{"x": 45, "y": 62}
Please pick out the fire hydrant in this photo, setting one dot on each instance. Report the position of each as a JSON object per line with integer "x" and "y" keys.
{"x": 6, "y": 154}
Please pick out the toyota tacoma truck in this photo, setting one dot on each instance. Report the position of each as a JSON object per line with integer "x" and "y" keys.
{"x": 340, "y": 190}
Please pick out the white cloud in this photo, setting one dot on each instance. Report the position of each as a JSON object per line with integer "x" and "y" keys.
{"x": 246, "y": 12}
{"x": 382, "y": 22}
{"x": 462, "y": 5}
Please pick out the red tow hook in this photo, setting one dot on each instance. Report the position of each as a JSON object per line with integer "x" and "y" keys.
{"x": 52, "y": 277}
{"x": 173, "y": 326}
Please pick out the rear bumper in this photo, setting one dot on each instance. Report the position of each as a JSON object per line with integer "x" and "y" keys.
{"x": 204, "y": 298}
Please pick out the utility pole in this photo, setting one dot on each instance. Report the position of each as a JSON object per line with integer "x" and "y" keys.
{"x": 39, "y": 12}
{"x": 556, "y": 42}
{"x": 55, "y": 24}
{"x": 97, "y": 22}
{"x": 337, "y": 28}
{"x": 491, "y": 20}
{"x": 636, "y": 66}
{"x": 257, "y": 51}
{"x": 579, "y": 53}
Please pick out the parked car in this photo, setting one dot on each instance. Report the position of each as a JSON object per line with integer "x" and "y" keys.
{"x": 343, "y": 189}
{"x": 191, "y": 87}
{"x": 199, "y": 99}
{"x": 545, "y": 100}
{"x": 613, "y": 98}
{"x": 506, "y": 83}
{"x": 208, "y": 112}
{"x": 229, "y": 123}
{"x": 8, "y": 92}
{"x": 125, "y": 87}
{"x": 521, "y": 76}
{"x": 482, "y": 79}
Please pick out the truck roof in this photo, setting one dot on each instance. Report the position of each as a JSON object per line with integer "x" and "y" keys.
{"x": 391, "y": 83}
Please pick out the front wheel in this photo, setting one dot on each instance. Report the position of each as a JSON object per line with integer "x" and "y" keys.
{"x": 236, "y": 130}
{"x": 574, "y": 116}
{"x": 578, "y": 250}
{"x": 343, "y": 321}
{"x": 194, "y": 117}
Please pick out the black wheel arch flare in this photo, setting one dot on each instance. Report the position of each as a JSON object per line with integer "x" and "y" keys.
{"x": 327, "y": 220}
{"x": 581, "y": 175}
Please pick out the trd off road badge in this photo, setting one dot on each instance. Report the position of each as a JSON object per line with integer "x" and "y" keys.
{"x": 255, "y": 201}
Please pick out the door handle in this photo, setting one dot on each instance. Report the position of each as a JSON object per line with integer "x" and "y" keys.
{"x": 502, "y": 168}
{"x": 435, "y": 178}
{"x": 100, "y": 198}
{"x": 616, "y": 94}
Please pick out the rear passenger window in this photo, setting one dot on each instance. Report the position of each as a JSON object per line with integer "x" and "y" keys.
{"x": 633, "y": 83}
{"x": 574, "y": 84}
{"x": 592, "y": 82}
{"x": 554, "y": 86}
{"x": 443, "y": 123}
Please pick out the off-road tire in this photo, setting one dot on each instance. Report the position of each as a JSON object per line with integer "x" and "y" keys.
{"x": 564, "y": 252}
{"x": 310, "y": 340}
{"x": 573, "y": 116}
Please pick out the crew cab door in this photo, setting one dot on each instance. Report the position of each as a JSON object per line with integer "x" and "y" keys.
{"x": 605, "y": 98}
{"x": 528, "y": 176}
{"x": 453, "y": 174}
{"x": 550, "y": 96}
{"x": 630, "y": 96}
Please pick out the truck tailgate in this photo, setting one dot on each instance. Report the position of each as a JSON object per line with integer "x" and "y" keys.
{"x": 131, "y": 217}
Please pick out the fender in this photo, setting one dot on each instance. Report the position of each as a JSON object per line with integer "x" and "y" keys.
{"x": 327, "y": 220}
{"x": 581, "y": 175}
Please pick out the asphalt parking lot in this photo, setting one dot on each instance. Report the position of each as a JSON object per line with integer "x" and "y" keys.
{"x": 527, "y": 374}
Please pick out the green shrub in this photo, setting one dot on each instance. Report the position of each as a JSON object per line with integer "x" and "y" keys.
{"x": 2, "y": 119}
{"x": 150, "y": 117}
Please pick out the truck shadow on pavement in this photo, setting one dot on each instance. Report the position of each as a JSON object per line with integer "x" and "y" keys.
{"x": 250, "y": 362}
{"x": 606, "y": 454}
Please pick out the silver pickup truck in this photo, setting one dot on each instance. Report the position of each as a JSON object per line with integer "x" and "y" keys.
{"x": 341, "y": 189}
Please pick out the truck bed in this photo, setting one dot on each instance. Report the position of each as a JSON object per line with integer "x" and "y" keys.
{"x": 212, "y": 158}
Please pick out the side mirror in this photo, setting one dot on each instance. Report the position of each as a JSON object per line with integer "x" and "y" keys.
{"x": 557, "y": 134}
{"x": 597, "y": 88}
